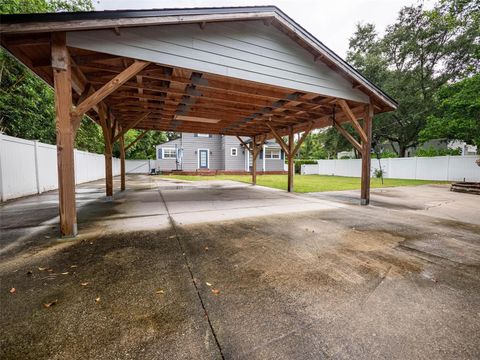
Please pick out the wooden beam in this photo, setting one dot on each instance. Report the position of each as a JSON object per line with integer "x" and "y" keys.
{"x": 366, "y": 145}
{"x": 346, "y": 109}
{"x": 136, "y": 139}
{"x": 302, "y": 139}
{"x": 279, "y": 139}
{"x": 106, "y": 127}
{"x": 124, "y": 130}
{"x": 244, "y": 144}
{"x": 110, "y": 87}
{"x": 122, "y": 162}
{"x": 291, "y": 167}
{"x": 254, "y": 160}
{"x": 349, "y": 137}
{"x": 65, "y": 134}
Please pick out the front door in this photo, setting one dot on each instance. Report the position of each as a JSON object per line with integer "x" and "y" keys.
{"x": 203, "y": 159}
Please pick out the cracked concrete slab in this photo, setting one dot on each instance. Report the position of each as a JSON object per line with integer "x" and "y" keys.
{"x": 245, "y": 273}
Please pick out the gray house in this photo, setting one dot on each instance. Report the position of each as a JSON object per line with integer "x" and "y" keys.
{"x": 192, "y": 152}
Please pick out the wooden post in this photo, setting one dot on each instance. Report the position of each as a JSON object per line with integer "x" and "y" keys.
{"x": 254, "y": 160}
{"x": 122, "y": 163}
{"x": 108, "y": 171}
{"x": 291, "y": 154}
{"x": 65, "y": 134}
{"x": 366, "y": 148}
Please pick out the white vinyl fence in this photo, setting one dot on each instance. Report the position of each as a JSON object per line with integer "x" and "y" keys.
{"x": 139, "y": 166}
{"x": 30, "y": 167}
{"x": 448, "y": 168}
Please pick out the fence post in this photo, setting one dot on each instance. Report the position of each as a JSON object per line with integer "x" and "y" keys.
{"x": 416, "y": 167}
{"x": 37, "y": 166}
{"x": 448, "y": 167}
{"x": 2, "y": 177}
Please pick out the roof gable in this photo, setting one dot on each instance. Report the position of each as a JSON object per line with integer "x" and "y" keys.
{"x": 244, "y": 50}
{"x": 29, "y": 23}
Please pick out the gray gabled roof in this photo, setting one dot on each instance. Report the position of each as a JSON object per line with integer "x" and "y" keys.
{"x": 23, "y": 23}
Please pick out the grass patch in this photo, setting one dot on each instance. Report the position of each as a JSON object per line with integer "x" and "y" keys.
{"x": 309, "y": 183}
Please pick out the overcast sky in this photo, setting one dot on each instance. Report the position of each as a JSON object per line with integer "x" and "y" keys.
{"x": 332, "y": 22}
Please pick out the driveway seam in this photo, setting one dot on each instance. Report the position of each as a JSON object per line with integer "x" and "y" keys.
{"x": 187, "y": 263}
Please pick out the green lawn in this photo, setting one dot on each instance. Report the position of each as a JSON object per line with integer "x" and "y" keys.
{"x": 308, "y": 183}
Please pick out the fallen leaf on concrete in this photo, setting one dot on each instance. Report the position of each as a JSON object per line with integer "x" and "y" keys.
{"x": 65, "y": 273}
{"x": 49, "y": 270}
{"x": 172, "y": 237}
{"x": 73, "y": 266}
{"x": 42, "y": 268}
{"x": 160, "y": 291}
{"x": 208, "y": 284}
{"x": 13, "y": 290}
{"x": 97, "y": 299}
{"x": 206, "y": 248}
{"x": 47, "y": 237}
{"x": 434, "y": 280}
{"x": 84, "y": 284}
{"x": 216, "y": 291}
{"x": 47, "y": 305}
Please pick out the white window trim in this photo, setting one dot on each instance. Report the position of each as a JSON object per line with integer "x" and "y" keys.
{"x": 203, "y": 135}
{"x": 279, "y": 151}
{"x": 231, "y": 151}
{"x": 208, "y": 158}
{"x": 168, "y": 148}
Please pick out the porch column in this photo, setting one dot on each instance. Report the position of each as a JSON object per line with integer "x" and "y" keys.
{"x": 65, "y": 134}
{"x": 254, "y": 160}
{"x": 291, "y": 155}
{"x": 366, "y": 148}
{"x": 122, "y": 163}
{"x": 264, "y": 166}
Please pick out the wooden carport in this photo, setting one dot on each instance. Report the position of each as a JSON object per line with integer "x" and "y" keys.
{"x": 190, "y": 70}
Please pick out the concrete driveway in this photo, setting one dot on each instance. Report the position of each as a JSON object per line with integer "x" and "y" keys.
{"x": 212, "y": 270}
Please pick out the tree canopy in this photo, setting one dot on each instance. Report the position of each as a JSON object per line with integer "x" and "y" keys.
{"x": 457, "y": 113}
{"x": 27, "y": 103}
{"x": 420, "y": 54}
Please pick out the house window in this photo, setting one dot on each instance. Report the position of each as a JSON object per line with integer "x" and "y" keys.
{"x": 202, "y": 135}
{"x": 169, "y": 153}
{"x": 233, "y": 151}
{"x": 272, "y": 153}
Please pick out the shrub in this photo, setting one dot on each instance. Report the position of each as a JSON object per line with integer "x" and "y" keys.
{"x": 437, "y": 152}
{"x": 388, "y": 154}
{"x": 378, "y": 173}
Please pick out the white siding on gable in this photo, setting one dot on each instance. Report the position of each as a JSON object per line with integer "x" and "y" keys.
{"x": 245, "y": 50}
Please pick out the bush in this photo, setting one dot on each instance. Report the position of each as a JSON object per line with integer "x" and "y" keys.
{"x": 388, "y": 154}
{"x": 378, "y": 173}
{"x": 437, "y": 152}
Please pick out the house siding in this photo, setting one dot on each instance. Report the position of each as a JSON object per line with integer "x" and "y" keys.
{"x": 220, "y": 157}
{"x": 245, "y": 50}
{"x": 191, "y": 144}
{"x": 233, "y": 163}
{"x": 167, "y": 164}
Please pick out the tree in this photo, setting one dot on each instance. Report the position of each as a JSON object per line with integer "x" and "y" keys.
{"x": 334, "y": 142}
{"x": 312, "y": 147}
{"x": 457, "y": 113}
{"x": 421, "y": 52}
{"x": 144, "y": 148}
{"x": 27, "y": 103}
